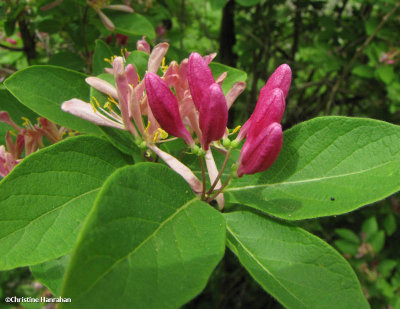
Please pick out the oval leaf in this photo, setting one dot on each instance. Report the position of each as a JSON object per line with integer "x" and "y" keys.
{"x": 44, "y": 88}
{"x": 132, "y": 24}
{"x": 148, "y": 243}
{"x": 327, "y": 166}
{"x": 45, "y": 199}
{"x": 294, "y": 266}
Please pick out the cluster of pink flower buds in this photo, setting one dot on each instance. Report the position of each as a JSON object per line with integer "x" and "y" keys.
{"x": 263, "y": 131}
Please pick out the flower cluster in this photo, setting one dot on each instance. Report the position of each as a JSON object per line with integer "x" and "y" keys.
{"x": 188, "y": 102}
{"x": 28, "y": 140}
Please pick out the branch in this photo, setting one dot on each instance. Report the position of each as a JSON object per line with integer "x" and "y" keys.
{"x": 11, "y": 48}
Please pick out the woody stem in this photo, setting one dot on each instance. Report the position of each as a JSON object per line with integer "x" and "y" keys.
{"x": 227, "y": 156}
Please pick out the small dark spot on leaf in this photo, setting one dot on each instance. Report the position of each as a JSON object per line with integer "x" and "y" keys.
{"x": 332, "y": 199}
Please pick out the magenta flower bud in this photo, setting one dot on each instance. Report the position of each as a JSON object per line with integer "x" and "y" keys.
{"x": 260, "y": 152}
{"x": 270, "y": 108}
{"x": 165, "y": 108}
{"x": 200, "y": 78}
{"x": 213, "y": 116}
{"x": 281, "y": 78}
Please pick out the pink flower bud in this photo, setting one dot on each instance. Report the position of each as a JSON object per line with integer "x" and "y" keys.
{"x": 260, "y": 152}
{"x": 165, "y": 108}
{"x": 281, "y": 78}
{"x": 213, "y": 116}
{"x": 270, "y": 108}
{"x": 200, "y": 78}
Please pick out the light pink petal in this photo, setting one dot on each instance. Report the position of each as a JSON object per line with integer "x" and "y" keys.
{"x": 102, "y": 86}
{"x": 210, "y": 57}
{"x": 180, "y": 168}
{"x": 157, "y": 55}
{"x": 105, "y": 20}
{"x": 85, "y": 111}
{"x": 131, "y": 75}
{"x": 221, "y": 78}
{"x": 119, "y": 7}
{"x": 234, "y": 92}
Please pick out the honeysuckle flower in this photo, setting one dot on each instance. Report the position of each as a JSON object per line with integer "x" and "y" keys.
{"x": 164, "y": 106}
{"x": 260, "y": 152}
{"x": 98, "y": 5}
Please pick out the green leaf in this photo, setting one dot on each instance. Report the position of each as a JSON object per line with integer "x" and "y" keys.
{"x": 140, "y": 60}
{"x": 218, "y": 4}
{"x": 377, "y": 241}
{"x": 101, "y": 51}
{"x": 148, "y": 243}
{"x": 369, "y": 228}
{"x": 45, "y": 199}
{"x": 132, "y": 24}
{"x": 348, "y": 235}
{"x": 390, "y": 224}
{"x": 15, "y": 109}
{"x": 363, "y": 71}
{"x": 51, "y": 273}
{"x": 385, "y": 73}
{"x": 248, "y": 2}
{"x": 327, "y": 166}
{"x": 44, "y": 88}
{"x": 234, "y": 75}
{"x": 346, "y": 247}
{"x": 294, "y": 266}
{"x": 68, "y": 60}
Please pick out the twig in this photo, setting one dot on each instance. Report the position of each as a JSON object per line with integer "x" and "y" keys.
{"x": 11, "y": 48}
{"x": 203, "y": 176}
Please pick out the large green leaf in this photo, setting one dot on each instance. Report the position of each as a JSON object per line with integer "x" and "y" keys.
{"x": 148, "y": 243}
{"x": 294, "y": 266}
{"x": 327, "y": 166}
{"x": 234, "y": 75}
{"x": 44, "y": 88}
{"x": 45, "y": 199}
{"x": 51, "y": 273}
{"x": 132, "y": 24}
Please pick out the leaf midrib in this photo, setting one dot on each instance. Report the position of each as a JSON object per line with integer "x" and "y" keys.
{"x": 306, "y": 180}
{"x": 263, "y": 267}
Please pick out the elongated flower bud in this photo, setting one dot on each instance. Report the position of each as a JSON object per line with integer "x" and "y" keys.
{"x": 213, "y": 116}
{"x": 259, "y": 153}
{"x": 281, "y": 78}
{"x": 270, "y": 108}
{"x": 200, "y": 78}
{"x": 164, "y": 106}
